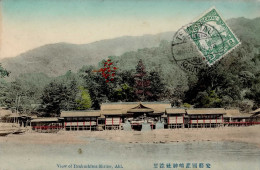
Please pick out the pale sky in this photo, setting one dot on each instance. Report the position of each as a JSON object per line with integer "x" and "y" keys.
{"x": 27, "y": 24}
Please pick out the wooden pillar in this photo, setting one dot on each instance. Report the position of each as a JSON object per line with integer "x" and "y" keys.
{"x": 30, "y": 126}
{"x": 90, "y": 124}
{"x": 183, "y": 121}
{"x": 176, "y": 123}
{"x": 105, "y": 123}
{"x": 216, "y": 121}
{"x": 120, "y": 123}
{"x": 197, "y": 122}
{"x": 222, "y": 120}
{"x": 168, "y": 121}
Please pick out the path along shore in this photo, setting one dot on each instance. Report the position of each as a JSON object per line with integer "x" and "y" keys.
{"x": 250, "y": 134}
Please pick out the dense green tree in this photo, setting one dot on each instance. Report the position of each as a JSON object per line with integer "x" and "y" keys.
{"x": 3, "y": 86}
{"x": 13, "y": 97}
{"x": 254, "y": 93}
{"x": 25, "y": 91}
{"x": 126, "y": 76}
{"x": 142, "y": 82}
{"x": 96, "y": 84}
{"x": 157, "y": 87}
{"x": 214, "y": 83}
{"x": 83, "y": 99}
{"x": 3, "y": 72}
{"x": 71, "y": 84}
{"x": 125, "y": 93}
{"x": 208, "y": 99}
{"x": 53, "y": 96}
{"x": 3, "y": 92}
{"x": 123, "y": 88}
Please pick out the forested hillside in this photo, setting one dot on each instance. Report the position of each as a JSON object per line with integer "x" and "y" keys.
{"x": 148, "y": 74}
{"x": 56, "y": 59}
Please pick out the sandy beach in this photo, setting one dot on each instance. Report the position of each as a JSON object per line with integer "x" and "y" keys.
{"x": 249, "y": 134}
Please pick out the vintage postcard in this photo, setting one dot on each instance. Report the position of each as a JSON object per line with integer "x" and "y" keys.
{"x": 129, "y": 84}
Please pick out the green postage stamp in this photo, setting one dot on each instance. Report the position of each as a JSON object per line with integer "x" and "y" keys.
{"x": 213, "y": 38}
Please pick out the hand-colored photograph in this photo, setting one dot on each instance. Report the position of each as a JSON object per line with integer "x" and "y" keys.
{"x": 130, "y": 84}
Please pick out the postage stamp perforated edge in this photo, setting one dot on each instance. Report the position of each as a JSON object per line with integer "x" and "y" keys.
{"x": 201, "y": 16}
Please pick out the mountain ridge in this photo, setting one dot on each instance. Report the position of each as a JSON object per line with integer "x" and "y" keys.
{"x": 52, "y": 58}
{"x": 57, "y": 58}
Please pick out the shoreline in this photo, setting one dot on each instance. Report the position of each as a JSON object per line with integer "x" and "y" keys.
{"x": 249, "y": 134}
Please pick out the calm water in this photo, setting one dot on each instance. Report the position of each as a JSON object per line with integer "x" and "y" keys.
{"x": 220, "y": 155}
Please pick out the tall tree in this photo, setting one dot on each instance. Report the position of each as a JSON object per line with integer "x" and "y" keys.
{"x": 3, "y": 86}
{"x": 124, "y": 93}
{"x": 83, "y": 99}
{"x": 142, "y": 82}
{"x": 53, "y": 95}
{"x": 208, "y": 100}
{"x": 157, "y": 86}
{"x": 96, "y": 85}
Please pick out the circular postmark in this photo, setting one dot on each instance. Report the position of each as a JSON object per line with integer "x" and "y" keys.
{"x": 195, "y": 45}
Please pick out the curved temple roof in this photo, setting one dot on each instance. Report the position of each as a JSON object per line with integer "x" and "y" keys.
{"x": 140, "y": 109}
